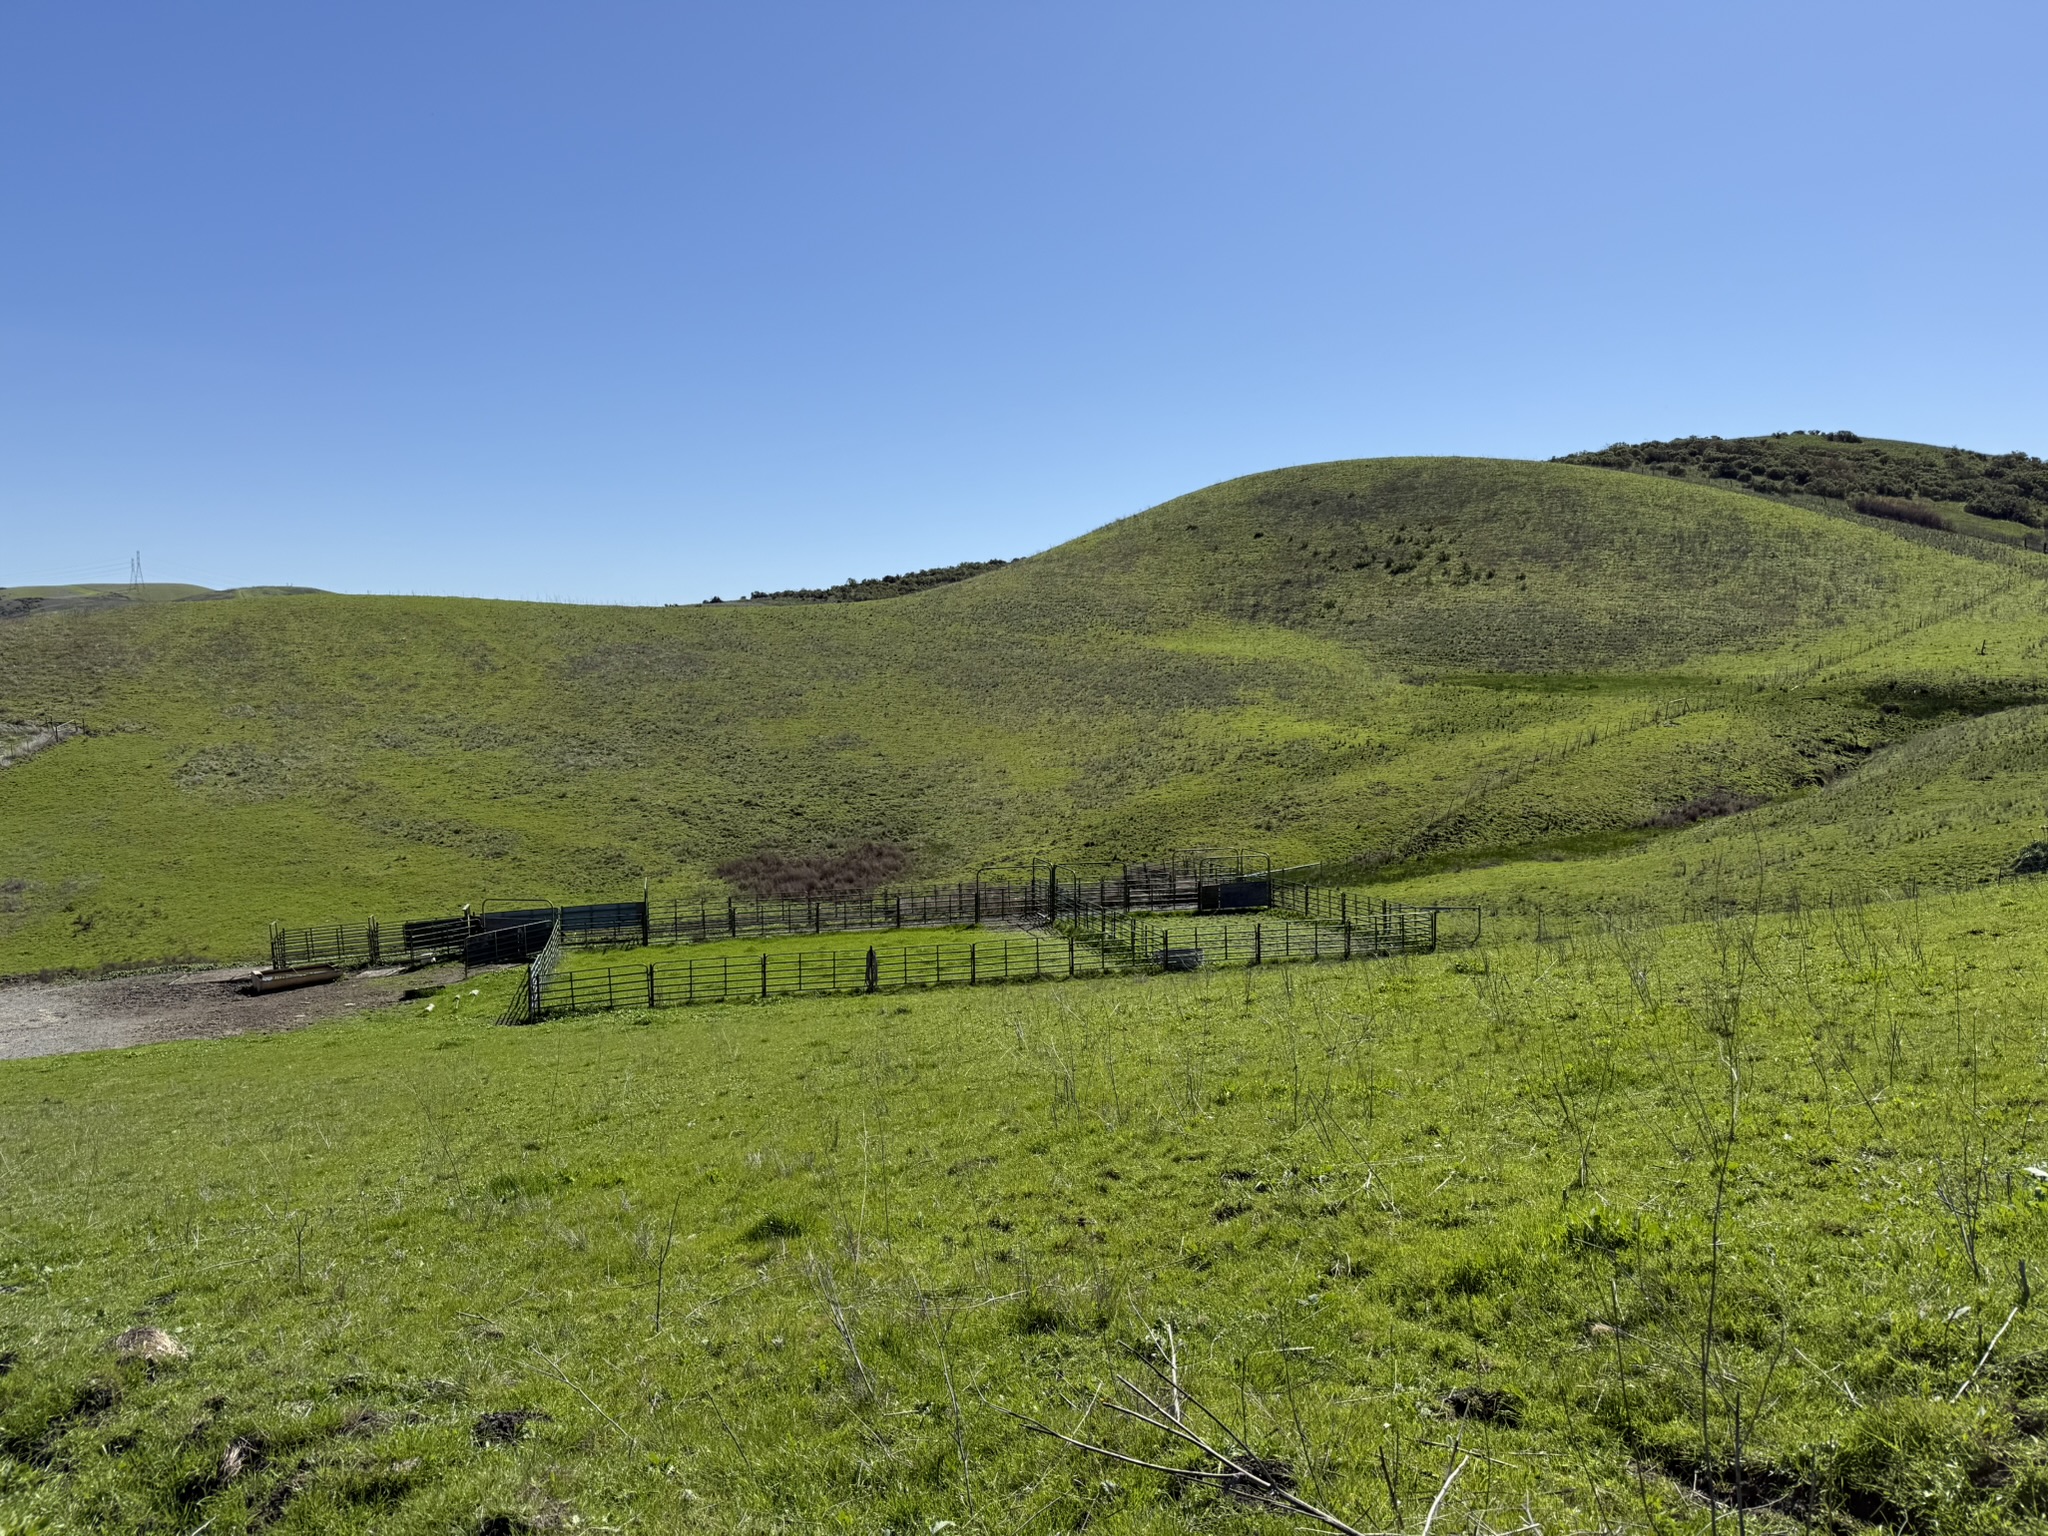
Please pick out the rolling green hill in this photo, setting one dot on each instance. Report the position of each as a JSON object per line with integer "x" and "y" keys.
{"x": 1405, "y": 664}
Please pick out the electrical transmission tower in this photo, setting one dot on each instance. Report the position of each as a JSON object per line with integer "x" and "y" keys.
{"x": 135, "y": 575}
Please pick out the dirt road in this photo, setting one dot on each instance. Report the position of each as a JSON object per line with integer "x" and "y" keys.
{"x": 55, "y": 1018}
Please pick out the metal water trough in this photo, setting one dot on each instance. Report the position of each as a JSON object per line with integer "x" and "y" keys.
{"x": 1180, "y": 959}
{"x": 284, "y": 981}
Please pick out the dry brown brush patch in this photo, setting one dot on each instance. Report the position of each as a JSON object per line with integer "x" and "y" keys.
{"x": 856, "y": 871}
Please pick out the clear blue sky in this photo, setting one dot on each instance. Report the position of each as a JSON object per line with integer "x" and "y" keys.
{"x": 645, "y": 302}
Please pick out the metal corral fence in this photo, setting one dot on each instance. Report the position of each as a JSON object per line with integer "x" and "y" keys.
{"x": 343, "y": 944}
{"x": 1104, "y": 944}
{"x": 1043, "y": 893}
{"x": 935, "y": 906}
{"x": 733, "y": 978}
{"x": 1321, "y": 904}
{"x": 511, "y": 936}
{"x": 524, "y": 1006}
{"x": 1152, "y": 940}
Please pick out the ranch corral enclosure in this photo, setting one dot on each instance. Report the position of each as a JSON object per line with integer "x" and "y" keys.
{"x": 1064, "y": 921}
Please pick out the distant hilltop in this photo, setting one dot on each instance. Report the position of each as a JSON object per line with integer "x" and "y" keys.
{"x": 1909, "y": 482}
{"x": 20, "y": 602}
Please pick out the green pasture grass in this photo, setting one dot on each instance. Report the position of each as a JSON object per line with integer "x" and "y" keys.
{"x": 801, "y": 1265}
{"x": 1321, "y": 662}
{"x": 805, "y": 943}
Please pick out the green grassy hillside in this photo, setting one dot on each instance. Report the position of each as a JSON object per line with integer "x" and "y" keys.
{"x": 1378, "y": 660}
{"x": 1739, "y": 1209}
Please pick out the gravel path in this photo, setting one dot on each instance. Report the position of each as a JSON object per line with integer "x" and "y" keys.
{"x": 56, "y": 1018}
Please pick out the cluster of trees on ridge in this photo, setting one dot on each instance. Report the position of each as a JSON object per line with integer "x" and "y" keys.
{"x": 1840, "y": 466}
{"x": 865, "y": 590}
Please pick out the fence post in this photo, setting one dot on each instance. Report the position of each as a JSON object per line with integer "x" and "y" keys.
{"x": 732, "y": 919}
{"x": 764, "y": 975}
{"x": 1070, "y": 959}
{"x": 972, "y": 966}
{"x": 646, "y": 919}
{"x": 874, "y": 970}
{"x": 1258, "y": 942}
{"x": 650, "y": 986}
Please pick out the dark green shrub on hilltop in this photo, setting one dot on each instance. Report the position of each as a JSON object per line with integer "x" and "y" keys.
{"x": 856, "y": 589}
{"x": 1841, "y": 466}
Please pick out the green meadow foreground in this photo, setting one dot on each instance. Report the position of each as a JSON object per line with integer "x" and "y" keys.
{"x": 1608, "y": 1225}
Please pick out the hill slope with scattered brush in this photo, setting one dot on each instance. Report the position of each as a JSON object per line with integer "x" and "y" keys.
{"x": 1387, "y": 662}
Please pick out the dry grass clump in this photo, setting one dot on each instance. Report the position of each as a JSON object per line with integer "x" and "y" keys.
{"x": 1718, "y": 802}
{"x": 855, "y": 871}
{"x": 1898, "y": 510}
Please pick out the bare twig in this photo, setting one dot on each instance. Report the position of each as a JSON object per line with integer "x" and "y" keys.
{"x": 1243, "y": 1474}
{"x": 661, "y": 1269}
{"x": 1456, "y": 1449}
{"x": 711, "y": 1301}
{"x": 821, "y": 1276}
{"x": 1195, "y": 1473}
{"x": 1173, "y": 1365}
{"x": 1199, "y": 1406}
{"x": 1436, "y": 1504}
{"x": 1854, "y": 1401}
{"x": 555, "y": 1370}
{"x": 2015, "y": 1312}
{"x": 959, "y": 1419}
{"x": 719, "y": 1413}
